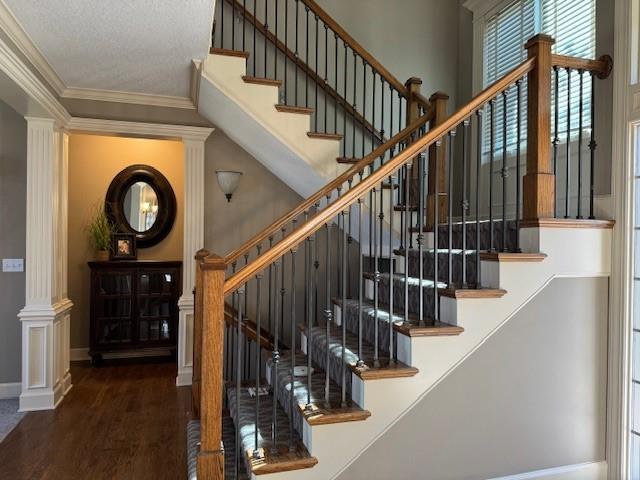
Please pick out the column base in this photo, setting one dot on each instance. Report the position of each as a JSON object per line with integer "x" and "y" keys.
{"x": 45, "y": 355}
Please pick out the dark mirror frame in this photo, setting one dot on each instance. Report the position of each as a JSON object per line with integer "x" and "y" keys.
{"x": 114, "y": 202}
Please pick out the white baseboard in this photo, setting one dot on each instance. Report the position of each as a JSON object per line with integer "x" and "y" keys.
{"x": 82, "y": 354}
{"x": 10, "y": 390}
{"x": 184, "y": 377}
{"x": 581, "y": 471}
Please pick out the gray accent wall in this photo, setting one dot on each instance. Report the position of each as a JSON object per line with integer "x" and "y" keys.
{"x": 13, "y": 201}
{"x": 531, "y": 397}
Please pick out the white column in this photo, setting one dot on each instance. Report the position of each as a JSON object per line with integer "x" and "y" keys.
{"x": 193, "y": 241}
{"x": 46, "y": 315}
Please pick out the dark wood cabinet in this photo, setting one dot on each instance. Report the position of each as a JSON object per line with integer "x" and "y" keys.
{"x": 134, "y": 306}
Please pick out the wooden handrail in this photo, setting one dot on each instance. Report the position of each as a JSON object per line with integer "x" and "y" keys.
{"x": 360, "y": 190}
{"x": 602, "y": 66}
{"x": 355, "y": 46}
{"x": 326, "y": 190}
{"x": 422, "y": 100}
{"x": 306, "y": 69}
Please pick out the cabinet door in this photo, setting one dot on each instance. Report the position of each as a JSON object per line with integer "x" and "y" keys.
{"x": 156, "y": 305}
{"x": 114, "y": 316}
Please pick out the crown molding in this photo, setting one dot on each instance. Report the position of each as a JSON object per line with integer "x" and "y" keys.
{"x": 138, "y": 129}
{"x": 14, "y": 68}
{"x": 128, "y": 97}
{"x": 14, "y": 30}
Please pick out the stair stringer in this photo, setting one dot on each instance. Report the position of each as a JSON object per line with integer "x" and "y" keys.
{"x": 247, "y": 113}
{"x": 572, "y": 252}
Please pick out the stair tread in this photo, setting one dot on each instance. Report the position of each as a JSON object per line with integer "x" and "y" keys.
{"x": 283, "y": 460}
{"x": 411, "y": 327}
{"x": 512, "y": 257}
{"x": 262, "y": 81}
{"x": 320, "y": 413}
{"x": 293, "y": 109}
{"x": 324, "y": 135}
{"x": 347, "y": 160}
{"x": 473, "y": 293}
{"x": 386, "y": 370}
{"x": 229, "y": 53}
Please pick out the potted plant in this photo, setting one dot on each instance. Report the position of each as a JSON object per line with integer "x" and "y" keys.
{"x": 100, "y": 229}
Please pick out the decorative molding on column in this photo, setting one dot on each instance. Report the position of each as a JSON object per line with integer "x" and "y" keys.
{"x": 46, "y": 316}
{"x": 192, "y": 242}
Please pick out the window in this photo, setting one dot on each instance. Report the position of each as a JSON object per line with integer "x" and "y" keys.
{"x": 572, "y": 24}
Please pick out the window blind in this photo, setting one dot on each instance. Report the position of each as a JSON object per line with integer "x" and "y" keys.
{"x": 572, "y": 24}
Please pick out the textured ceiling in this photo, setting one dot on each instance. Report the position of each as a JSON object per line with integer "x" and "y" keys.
{"x": 142, "y": 46}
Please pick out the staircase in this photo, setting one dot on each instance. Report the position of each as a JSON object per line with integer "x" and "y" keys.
{"x": 324, "y": 329}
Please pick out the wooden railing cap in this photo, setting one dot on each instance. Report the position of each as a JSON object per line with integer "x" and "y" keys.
{"x": 213, "y": 262}
{"x": 201, "y": 254}
{"x": 413, "y": 81}
{"x": 539, "y": 38}
{"x": 438, "y": 96}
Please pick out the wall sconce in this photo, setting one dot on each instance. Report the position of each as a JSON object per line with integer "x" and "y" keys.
{"x": 228, "y": 181}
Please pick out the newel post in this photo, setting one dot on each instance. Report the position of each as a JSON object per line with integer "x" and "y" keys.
{"x": 539, "y": 181}
{"x": 211, "y": 454}
{"x": 413, "y": 86}
{"x": 437, "y": 160}
{"x": 198, "y": 308}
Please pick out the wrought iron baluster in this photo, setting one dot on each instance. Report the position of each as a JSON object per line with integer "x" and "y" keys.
{"x": 353, "y": 119}
{"x": 283, "y": 292}
{"x": 247, "y": 360}
{"x": 266, "y": 31}
{"x": 275, "y": 50}
{"x": 310, "y": 240}
{"x": 504, "y": 172}
{"x": 335, "y": 84}
{"x": 464, "y": 204}
{"x": 293, "y": 347}
{"x": 256, "y": 453}
{"x": 306, "y": 58}
{"x": 275, "y": 356}
{"x": 295, "y": 98}
{"x": 233, "y": 25}
{"x": 327, "y": 315}
{"x": 478, "y": 172}
{"x": 361, "y": 283}
{"x": 244, "y": 9}
{"x": 592, "y": 145}
{"x": 518, "y": 147}
{"x": 421, "y": 163}
{"x": 391, "y": 267}
{"x": 343, "y": 387}
{"x": 315, "y": 104}
{"x": 436, "y": 227}
{"x": 556, "y": 138}
{"x": 221, "y": 24}
{"x": 364, "y": 97}
{"x": 326, "y": 73}
{"x": 452, "y": 135}
{"x": 376, "y": 277}
{"x": 567, "y": 181}
{"x": 580, "y": 124}
{"x": 408, "y": 239}
{"x": 492, "y": 111}
{"x": 254, "y": 51}
{"x": 239, "y": 338}
{"x": 344, "y": 119}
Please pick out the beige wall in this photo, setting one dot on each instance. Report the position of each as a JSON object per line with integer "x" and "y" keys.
{"x": 259, "y": 200}
{"x": 13, "y": 200}
{"x": 93, "y": 162}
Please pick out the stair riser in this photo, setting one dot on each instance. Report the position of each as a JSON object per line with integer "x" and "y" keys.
{"x": 428, "y": 263}
{"x": 350, "y": 314}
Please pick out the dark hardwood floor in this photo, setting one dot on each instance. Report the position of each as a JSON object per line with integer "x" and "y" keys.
{"x": 124, "y": 421}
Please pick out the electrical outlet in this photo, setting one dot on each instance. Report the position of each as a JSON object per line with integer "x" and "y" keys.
{"x": 13, "y": 265}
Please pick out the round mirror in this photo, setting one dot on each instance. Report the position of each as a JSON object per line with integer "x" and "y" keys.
{"x": 141, "y": 206}
{"x": 140, "y": 201}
